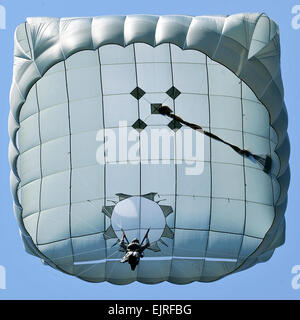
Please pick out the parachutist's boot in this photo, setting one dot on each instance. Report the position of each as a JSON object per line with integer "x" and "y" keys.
{"x": 133, "y": 265}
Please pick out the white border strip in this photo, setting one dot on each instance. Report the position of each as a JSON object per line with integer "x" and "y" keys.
{"x": 158, "y": 259}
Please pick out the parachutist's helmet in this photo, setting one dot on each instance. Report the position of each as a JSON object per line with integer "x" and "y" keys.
{"x": 135, "y": 240}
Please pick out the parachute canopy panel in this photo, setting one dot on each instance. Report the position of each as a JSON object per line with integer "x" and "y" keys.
{"x": 78, "y": 82}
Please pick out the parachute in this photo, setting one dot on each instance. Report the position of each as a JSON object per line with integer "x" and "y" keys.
{"x": 209, "y": 179}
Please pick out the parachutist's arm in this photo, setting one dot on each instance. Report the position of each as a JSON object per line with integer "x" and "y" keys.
{"x": 146, "y": 245}
{"x": 124, "y": 236}
{"x": 123, "y": 244}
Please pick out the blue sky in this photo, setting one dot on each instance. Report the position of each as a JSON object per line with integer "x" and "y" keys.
{"x": 27, "y": 278}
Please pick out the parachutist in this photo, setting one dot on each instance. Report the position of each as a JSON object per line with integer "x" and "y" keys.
{"x": 134, "y": 250}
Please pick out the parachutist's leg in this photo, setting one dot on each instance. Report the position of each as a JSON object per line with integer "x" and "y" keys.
{"x": 133, "y": 266}
{"x": 125, "y": 258}
{"x": 133, "y": 261}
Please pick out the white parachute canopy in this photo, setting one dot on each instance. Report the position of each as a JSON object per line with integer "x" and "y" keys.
{"x": 92, "y": 154}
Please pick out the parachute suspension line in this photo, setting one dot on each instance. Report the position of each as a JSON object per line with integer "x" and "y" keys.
{"x": 266, "y": 161}
{"x": 145, "y": 236}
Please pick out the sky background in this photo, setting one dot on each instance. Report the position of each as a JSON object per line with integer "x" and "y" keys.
{"x": 27, "y": 278}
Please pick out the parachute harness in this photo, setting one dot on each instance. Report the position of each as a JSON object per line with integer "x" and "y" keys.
{"x": 266, "y": 161}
